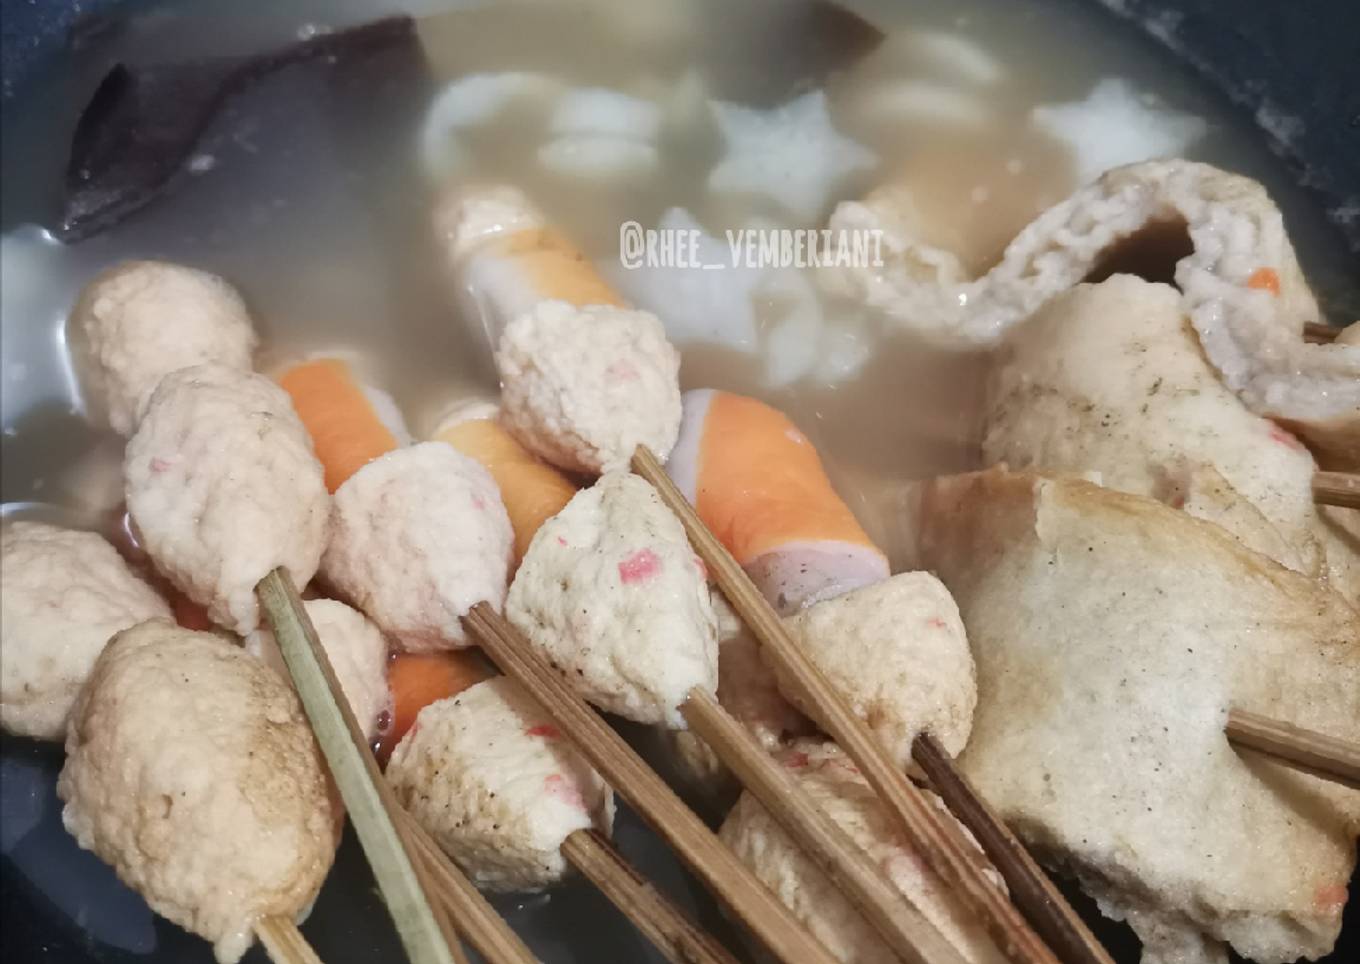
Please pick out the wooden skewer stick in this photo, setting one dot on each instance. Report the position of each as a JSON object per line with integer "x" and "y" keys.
{"x": 425, "y": 934}
{"x": 632, "y": 779}
{"x": 284, "y": 943}
{"x": 1319, "y": 334}
{"x": 679, "y": 939}
{"x": 485, "y": 929}
{"x": 1322, "y": 756}
{"x": 1031, "y": 889}
{"x": 956, "y": 862}
{"x": 907, "y": 933}
{"x": 1337, "y": 488}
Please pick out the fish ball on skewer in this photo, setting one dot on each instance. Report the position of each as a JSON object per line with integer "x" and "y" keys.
{"x": 419, "y": 536}
{"x": 222, "y": 488}
{"x": 191, "y": 769}
{"x": 614, "y": 597}
{"x": 584, "y": 387}
{"x": 748, "y": 692}
{"x": 141, "y": 320}
{"x": 356, "y": 650}
{"x": 64, "y": 593}
{"x": 585, "y": 379}
{"x": 489, "y": 776}
{"x": 834, "y": 783}
{"x": 893, "y": 646}
{"x": 898, "y": 653}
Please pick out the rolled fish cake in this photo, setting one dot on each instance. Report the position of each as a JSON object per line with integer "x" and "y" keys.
{"x": 1241, "y": 287}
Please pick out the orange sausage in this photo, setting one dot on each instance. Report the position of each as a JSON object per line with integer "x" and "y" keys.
{"x": 345, "y": 429}
{"x": 761, "y": 484}
{"x": 555, "y": 268}
{"x": 532, "y": 490}
{"x": 419, "y": 679}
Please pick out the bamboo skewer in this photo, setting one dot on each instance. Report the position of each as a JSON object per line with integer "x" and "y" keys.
{"x": 1319, "y": 334}
{"x": 425, "y": 933}
{"x": 484, "y": 929}
{"x": 1031, "y": 888}
{"x": 625, "y": 771}
{"x": 907, "y": 933}
{"x": 678, "y": 938}
{"x": 1337, "y": 488}
{"x": 1331, "y": 488}
{"x": 283, "y": 942}
{"x": 958, "y": 864}
{"x": 1305, "y": 750}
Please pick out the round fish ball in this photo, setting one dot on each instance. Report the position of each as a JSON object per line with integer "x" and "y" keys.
{"x": 490, "y": 777}
{"x": 583, "y": 387}
{"x": 141, "y": 320}
{"x": 419, "y": 536}
{"x": 191, "y": 770}
{"x": 612, "y": 594}
{"x": 357, "y": 651}
{"x": 467, "y": 217}
{"x": 747, "y": 690}
{"x": 897, "y": 652}
{"x": 222, "y": 487}
{"x": 835, "y": 785}
{"x": 64, "y": 593}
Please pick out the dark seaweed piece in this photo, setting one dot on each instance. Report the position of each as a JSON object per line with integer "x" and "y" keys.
{"x": 142, "y": 123}
{"x": 801, "y": 43}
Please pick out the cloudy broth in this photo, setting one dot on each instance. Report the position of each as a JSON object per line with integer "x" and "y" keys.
{"x": 313, "y": 192}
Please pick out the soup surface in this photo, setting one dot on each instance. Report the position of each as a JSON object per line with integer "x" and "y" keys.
{"x": 312, "y": 193}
